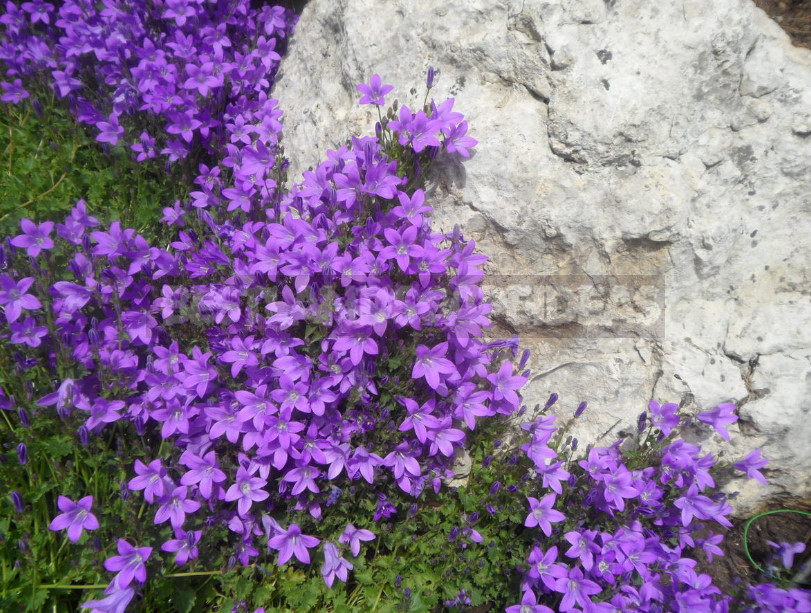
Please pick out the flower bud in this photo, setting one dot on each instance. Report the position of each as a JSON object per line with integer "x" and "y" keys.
{"x": 552, "y": 400}
{"x": 24, "y": 420}
{"x": 574, "y": 444}
{"x": 22, "y": 453}
{"x": 454, "y": 533}
{"x": 17, "y": 501}
{"x": 430, "y": 81}
{"x": 84, "y": 435}
{"x": 495, "y": 487}
{"x": 581, "y": 407}
{"x": 642, "y": 422}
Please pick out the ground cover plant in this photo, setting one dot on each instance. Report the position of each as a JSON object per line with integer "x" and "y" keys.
{"x": 290, "y": 405}
{"x": 48, "y": 162}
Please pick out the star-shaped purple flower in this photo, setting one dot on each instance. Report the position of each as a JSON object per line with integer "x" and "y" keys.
{"x": 34, "y": 238}
{"x": 246, "y": 491}
{"x": 14, "y": 299}
{"x": 431, "y": 363}
{"x": 334, "y": 565}
{"x": 129, "y": 564}
{"x": 75, "y": 517}
{"x": 354, "y": 536}
{"x": 664, "y": 417}
{"x": 175, "y": 506}
{"x": 751, "y": 465}
{"x": 116, "y": 602}
{"x": 529, "y": 604}
{"x": 576, "y": 589}
{"x": 786, "y": 551}
{"x": 721, "y": 416}
{"x": 292, "y": 542}
{"x": 152, "y": 479}
{"x": 374, "y": 92}
{"x": 542, "y": 513}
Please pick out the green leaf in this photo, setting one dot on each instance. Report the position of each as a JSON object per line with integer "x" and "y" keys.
{"x": 57, "y": 446}
{"x": 365, "y": 577}
{"x": 183, "y": 600}
{"x": 35, "y": 599}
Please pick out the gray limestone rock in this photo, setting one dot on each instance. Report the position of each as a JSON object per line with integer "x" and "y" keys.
{"x": 647, "y": 164}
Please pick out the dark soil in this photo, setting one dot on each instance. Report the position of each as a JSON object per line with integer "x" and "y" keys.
{"x": 794, "y": 16}
{"x": 734, "y": 568}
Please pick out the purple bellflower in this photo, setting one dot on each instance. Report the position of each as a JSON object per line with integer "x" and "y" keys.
{"x": 14, "y": 299}
{"x": 116, "y": 602}
{"x": 752, "y": 464}
{"x": 130, "y": 563}
{"x": 374, "y": 92}
{"x": 720, "y": 417}
{"x": 292, "y": 542}
{"x": 34, "y": 238}
{"x": 246, "y": 491}
{"x": 75, "y": 517}
{"x": 354, "y": 536}
{"x": 529, "y": 604}
{"x": 334, "y": 565}
{"x": 665, "y": 416}
{"x": 786, "y": 551}
{"x": 542, "y": 513}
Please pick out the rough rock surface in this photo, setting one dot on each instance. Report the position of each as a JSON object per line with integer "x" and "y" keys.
{"x": 646, "y": 166}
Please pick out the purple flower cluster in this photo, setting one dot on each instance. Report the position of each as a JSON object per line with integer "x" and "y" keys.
{"x": 624, "y": 538}
{"x": 159, "y": 75}
{"x": 339, "y": 314}
{"x": 287, "y": 345}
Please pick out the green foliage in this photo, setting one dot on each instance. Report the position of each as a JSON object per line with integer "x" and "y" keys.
{"x": 48, "y": 161}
